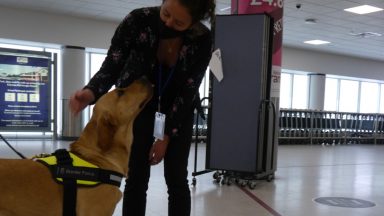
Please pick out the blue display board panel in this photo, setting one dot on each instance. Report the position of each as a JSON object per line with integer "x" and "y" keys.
{"x": 234, "y": 140}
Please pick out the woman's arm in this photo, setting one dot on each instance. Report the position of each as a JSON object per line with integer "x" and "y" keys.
{"x": 114, "y": 62}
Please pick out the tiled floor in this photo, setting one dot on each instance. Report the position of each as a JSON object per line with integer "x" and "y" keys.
{"x": 304, "y": 173}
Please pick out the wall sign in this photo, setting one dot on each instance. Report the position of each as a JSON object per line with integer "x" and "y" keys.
{"x": 25, "y": 90}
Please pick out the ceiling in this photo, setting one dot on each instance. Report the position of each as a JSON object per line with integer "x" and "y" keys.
{"x": 342, "y": 29}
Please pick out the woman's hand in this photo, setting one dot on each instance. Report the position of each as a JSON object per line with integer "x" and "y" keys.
{"x": 80, "y": 99}
{"x": 157, "y": 152}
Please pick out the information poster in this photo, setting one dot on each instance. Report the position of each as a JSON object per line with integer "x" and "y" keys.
{"x": 25, "y": 91}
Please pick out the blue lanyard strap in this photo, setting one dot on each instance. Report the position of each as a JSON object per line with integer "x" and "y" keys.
{"x": 162, "y": 88}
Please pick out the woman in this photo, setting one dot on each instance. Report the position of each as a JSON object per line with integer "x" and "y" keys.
{"x": 170, "y": 46}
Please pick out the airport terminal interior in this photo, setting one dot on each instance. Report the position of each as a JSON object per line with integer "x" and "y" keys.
{"x": 310, "y": 142}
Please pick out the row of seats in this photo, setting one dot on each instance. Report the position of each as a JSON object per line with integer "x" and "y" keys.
{"x": 318, "y": 127}
{"x": 322, "y": 127}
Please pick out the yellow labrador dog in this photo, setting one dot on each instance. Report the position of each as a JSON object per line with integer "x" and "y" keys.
{"x": 27, "y": 187}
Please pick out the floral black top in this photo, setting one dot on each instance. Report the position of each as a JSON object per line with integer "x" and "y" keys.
{"x": 132, "y": 54}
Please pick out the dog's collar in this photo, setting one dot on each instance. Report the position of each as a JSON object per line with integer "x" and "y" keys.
{"x": 74, "y": 167}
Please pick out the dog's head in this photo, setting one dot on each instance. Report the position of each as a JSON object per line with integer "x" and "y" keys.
{"x": 115, "y": 112}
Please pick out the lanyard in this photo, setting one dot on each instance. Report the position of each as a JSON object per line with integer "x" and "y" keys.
{"x": 161, "y": 88}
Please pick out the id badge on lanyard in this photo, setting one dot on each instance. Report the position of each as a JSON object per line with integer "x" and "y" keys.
{"x": 159, "y": 125}
{"x": 158, "y": 131}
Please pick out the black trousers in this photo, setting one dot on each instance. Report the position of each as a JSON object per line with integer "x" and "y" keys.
{"x": 175, "y": 167}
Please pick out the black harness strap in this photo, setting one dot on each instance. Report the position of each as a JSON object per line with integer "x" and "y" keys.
{"x": 64, "y": 161}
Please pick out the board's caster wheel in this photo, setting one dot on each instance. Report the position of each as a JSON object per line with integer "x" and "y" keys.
{"x": 216, "y": 175}
{"x": 252, "y": 185}
{"x": 270, "y": 178}
{"x": 218, "y": 179}
{"x": 242, "y": 183}
{"x": 224, "y": 181}
{"x": 230, "y": 181}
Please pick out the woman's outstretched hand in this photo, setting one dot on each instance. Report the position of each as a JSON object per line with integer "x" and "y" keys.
{"x": 80, "y": 99}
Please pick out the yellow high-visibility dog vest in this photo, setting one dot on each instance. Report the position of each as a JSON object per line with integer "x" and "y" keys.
{"x": 85, "y": 173}
{"x": 51, "y": 161}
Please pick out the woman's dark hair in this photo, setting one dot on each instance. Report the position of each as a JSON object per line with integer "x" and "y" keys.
{"x": 200, "y": 9}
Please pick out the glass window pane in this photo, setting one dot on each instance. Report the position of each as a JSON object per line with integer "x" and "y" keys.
{"x": 381, "y": 98}
{"x": 285, "y": 90}
{"x": 349, "y": 93}
{"x": 300, "y": 92}
{"x": 330, "y": 96}
{"x": 204, "y": 87}
{"x": 369, "y": 97}
{"x": 96, "y": 61}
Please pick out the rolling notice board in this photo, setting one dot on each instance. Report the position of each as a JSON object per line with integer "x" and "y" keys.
{"x": 25, "y": 90}
{"x": 237, "y": 120}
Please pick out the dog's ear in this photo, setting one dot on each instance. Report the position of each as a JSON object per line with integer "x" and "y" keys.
{"x": 106, "y": 129}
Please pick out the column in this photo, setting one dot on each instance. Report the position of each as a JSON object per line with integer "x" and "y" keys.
{"x": 73, "y": 78}
{"x": 316, "y": 91}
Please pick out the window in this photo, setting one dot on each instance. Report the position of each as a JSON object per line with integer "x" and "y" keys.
{"x": 96, "y": 62}
{"x": 300, "y": 92}
{"x": 294, "y": 91}
{"x": 55, "y": 76}
{"x": 369, "y": 97}
{"x": 285, "y": 90}
{"x": 349, "y": 94}
{"x": 342, "y": 94}
{"x": 331, "y": 94}
{"x": 381, "y": 109}
{"x": 204, "y": 87}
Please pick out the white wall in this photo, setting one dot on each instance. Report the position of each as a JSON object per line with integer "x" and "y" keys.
{"x": 56, "y": 29}
{"x": 326, "y": 63}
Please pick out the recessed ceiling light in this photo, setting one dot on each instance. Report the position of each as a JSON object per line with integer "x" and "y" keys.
{"x": 310, "y": 21}
{"x": 363, "y": 9}
{"x": 316, "y": 42}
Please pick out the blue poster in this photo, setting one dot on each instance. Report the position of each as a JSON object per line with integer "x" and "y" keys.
{"x": 24, "y": 92}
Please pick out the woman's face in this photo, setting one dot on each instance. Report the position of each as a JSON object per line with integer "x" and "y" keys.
{"x": 175, "y": 15}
